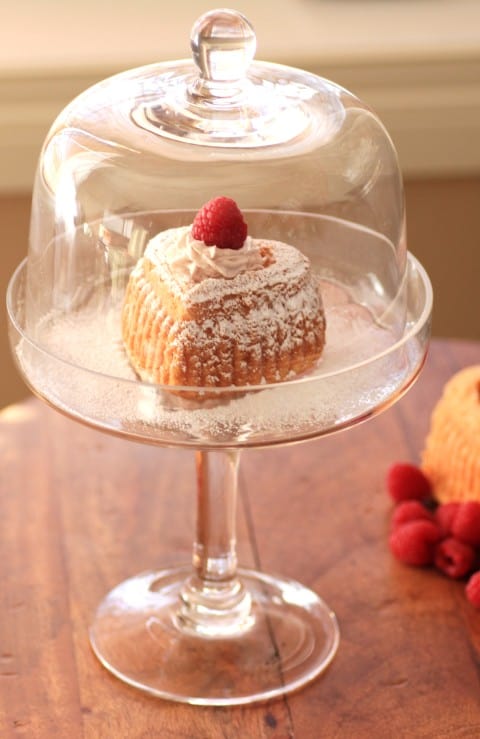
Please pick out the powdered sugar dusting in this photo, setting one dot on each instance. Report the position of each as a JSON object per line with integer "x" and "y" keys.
{"x": 94, "y": 381}
{"x": 288, "y": 265}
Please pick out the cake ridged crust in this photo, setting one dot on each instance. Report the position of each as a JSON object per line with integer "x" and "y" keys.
{"x": 264, "y": 325}
{"x": 451, "y": 458}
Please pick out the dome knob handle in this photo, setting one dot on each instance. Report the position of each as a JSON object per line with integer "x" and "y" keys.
{"x": 223, "y": 44}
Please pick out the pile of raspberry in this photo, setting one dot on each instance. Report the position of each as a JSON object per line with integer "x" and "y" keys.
{"x": 425, "y": 533}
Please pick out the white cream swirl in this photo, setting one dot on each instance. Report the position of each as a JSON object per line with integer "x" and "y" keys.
{"x": 194, "y": 261}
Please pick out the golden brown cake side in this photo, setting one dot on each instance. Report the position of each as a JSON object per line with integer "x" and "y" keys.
{"x": 262, "y": 326}
{"x": 451, "y": 458}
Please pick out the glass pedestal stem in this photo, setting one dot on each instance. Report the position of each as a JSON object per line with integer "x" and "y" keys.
{"x": 212, "y": 634}
{"x": 214, "y": 602}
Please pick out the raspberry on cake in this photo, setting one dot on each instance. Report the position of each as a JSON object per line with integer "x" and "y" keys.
{"x": 220, "y": 223}
{"x": 209, "y": 306}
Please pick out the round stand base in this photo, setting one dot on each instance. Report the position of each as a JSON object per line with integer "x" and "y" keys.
{"x": 291, "y": 638}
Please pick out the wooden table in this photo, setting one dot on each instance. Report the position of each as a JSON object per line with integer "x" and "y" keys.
{"x": 80, "y": 511}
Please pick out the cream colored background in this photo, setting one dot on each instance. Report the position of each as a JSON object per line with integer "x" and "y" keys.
{"x": 416, "y": 62}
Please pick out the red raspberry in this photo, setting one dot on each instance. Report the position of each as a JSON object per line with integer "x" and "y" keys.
{"x": 466, "y": 524}
{"x": 220, "y": 223}
{"x": 454, "y": 558}
{"x": 473, "y": 590}
{"x": 410, "y": 510}
{"x": 445, "y": 515}
{"x": 405, "y": 481}
{"x": 414, "y": 542}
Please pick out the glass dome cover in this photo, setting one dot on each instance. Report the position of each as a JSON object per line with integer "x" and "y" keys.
{"x": 307, "y": 163}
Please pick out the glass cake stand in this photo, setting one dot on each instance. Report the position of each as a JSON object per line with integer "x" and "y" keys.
{"x": 210, "y": 633}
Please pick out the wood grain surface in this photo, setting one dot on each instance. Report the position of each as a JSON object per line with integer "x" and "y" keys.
{"x": 80, "y": 511}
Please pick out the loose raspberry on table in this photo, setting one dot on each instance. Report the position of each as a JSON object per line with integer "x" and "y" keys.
{"x": 220, "y": 223}
{"x": 406, "y": 481}
{"x": 454, "y": 558}
{"x": 466, "y": 523}
{"x": 473, "y": 590}
{"x": 410, "y": 510}
{"x": 414, "y": 542}
{"x": 445, "y": 515}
